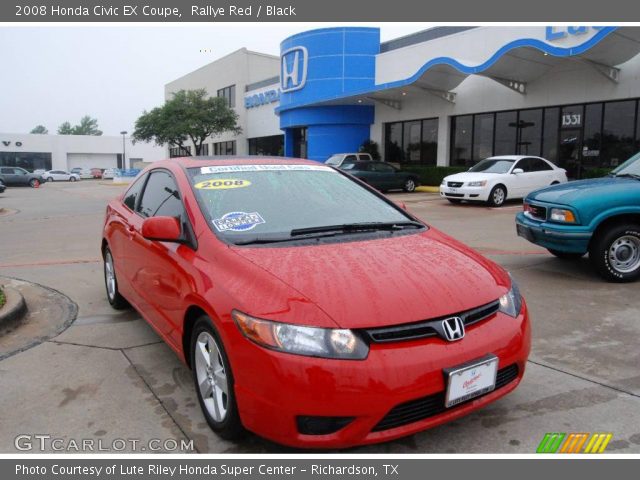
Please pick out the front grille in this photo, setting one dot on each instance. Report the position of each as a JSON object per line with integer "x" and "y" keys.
{"x": 426, "y": 407}
{"x": 538, "y": 212}
{"x": 431, "y": 327}
{"x": 454, "y": 184}
{"x": 454, "y": 195}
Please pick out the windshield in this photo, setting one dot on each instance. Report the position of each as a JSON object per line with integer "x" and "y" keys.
{"x": 630, "y": 167}
{"x": 244, "y": 202}
{"x": 334, "y": 160}
{"x": 493, "y": 165}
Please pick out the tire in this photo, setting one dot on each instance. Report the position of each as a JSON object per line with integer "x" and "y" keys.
{"x": 615, "y": 253}
{"x": 409, "y": 185}
{"x": 116, "y": 300}
{"x": 34, "y": 183}
{"x": 72, "y": 179}
{"x": 211, "y": 376}
{"x": 454, "y": 200}
{"x": 497, "y": 196}
{"x": 50, "y": 179}
{"x": 565, "y": 255}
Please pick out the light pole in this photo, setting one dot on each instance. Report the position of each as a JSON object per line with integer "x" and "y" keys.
{"x": 124, "y": 161}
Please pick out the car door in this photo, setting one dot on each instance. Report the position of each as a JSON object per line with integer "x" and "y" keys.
{"x": 520, "y": 183}
{"x": 9, "y": 176}
{"x": 542, "y": 173}
{"x": 159, "y": 270}
{"x": 390, "y": 176}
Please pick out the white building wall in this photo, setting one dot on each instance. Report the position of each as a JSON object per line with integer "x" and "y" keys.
{"x": 239, "y": 68}
{"x": 261, "y": 120}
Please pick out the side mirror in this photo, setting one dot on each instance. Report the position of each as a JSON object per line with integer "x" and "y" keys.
{"x": 517, "y": 171}
{"x": 162, "y": 229}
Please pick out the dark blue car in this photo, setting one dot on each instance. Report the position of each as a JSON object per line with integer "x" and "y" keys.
{"x": 599, "y": 216}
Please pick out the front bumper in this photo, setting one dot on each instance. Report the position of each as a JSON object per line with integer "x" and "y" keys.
{"x": 478, "y": 194}
{"x": 565, "y": 238}
{"x": 273, "y": 388}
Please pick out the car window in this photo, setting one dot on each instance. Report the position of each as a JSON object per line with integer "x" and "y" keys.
{"x": 364, "y": 157}
{"x": 160, "y": 197}
{"x": 382, "y": 168}
{"x": 539, "y": 165}
{"x": 351, "y": 166}
{"x": 350, "y": 158}
{"x": 20, "y": 171}
{"x": 523, "y": 164}
{"x": 334, "y": 160}
{"x": 133, "y": 192}
{"x": 7, "y": 171}
{"x": 493, "y": 165}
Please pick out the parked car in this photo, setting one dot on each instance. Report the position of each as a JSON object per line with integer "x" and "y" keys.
{"x": 96, "y": 172}
{"x": 495, "y": 180}
{"x": 109, "y": 173}
{"x": 339, "y": 158}
{"x": 280, "y": 299}
{"x": 2, "y": 187}
{"x": 60, "y": 175}
{"x": 599, "y": 216}
{"x": 16, "y": 176}
{"x": 39, "y": 171}
{"x": 82, "y": 172}
{"x": 382, "y": 176}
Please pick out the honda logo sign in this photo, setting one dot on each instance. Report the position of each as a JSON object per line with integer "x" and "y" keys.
{"x": 453, "y": 328}
{"x": 293, "y": 69}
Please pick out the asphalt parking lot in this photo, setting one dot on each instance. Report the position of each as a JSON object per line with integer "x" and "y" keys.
{"x": 109, "y": 376}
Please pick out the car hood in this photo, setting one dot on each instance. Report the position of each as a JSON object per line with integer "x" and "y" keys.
{"x": 586, "y": 191}
{"x": 471, "y": 177}
{"x": 386, "y": 281}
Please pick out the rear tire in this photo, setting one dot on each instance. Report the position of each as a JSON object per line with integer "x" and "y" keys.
{"x": 212, "y": 375}
{"x": 498, "y": 196}
{"x": 72, "y": 179}
{"x": 116, "y": 300}
{"x": 565, "y": 255}
{"x": 409, "y": 185}
{"x": 615, "y": 253}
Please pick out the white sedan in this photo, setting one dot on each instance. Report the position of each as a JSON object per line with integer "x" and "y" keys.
{"x": 497, "y": 179}
{"x": 60, "y": 175}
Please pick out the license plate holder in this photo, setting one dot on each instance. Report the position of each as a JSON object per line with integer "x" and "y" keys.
{"x": 524, "y": 232}
{"x": 470, "y": 380}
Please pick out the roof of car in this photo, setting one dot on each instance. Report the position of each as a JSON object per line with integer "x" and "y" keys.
{"x": 512, "y": 157}
{"x": 189, "y": 162}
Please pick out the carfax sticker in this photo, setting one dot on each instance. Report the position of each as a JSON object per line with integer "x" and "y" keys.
{"x": 222, "y": 184}
{"x": 238, "y": 221}
{"x": 263, "y": 168}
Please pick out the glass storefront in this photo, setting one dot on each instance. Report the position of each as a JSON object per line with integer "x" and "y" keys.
{"x": 28, "y": 160}
{"x": 413, "y": 141}
{"x": 598, "y": 135}
{"x": 271, "y": 145}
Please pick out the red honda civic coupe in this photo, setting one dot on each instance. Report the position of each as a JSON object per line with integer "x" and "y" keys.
{"x": 312, "y": 310}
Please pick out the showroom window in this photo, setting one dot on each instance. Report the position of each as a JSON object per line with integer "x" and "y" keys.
{"x": 30, "y": 161}
{"x": 224, "y": 148}
{"x": 413, "y": 141}
{"x": 179, "y": 151}
{"x": 229, "y": 93}
{"x": 271, "y": 145}
{"x": 204, "y": 149}
{"x": 579, "y": 138}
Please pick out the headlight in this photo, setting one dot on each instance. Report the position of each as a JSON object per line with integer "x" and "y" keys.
{"x": 444, "y": 181}
{"x": 511, "y": 302}
{"x": 477, "y": 184}
{"x": 561, "y": 215}
{"x": 300, "y": 340}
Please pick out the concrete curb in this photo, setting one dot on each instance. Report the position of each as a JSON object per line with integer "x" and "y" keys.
{"x": 14, "y": 308}
{"x": 425, "y": 189}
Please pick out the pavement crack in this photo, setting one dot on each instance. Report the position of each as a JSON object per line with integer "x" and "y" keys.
{"x": 135, "y": 369}
{"x": 60, "y": 342}
{"x": 590, "y": 380}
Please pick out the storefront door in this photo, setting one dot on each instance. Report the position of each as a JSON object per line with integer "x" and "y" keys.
{"x": 300, "y": 142}
{"x": 570, "y": 151}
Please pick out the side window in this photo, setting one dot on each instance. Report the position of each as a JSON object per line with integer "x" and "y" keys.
{"x": 523, "y": 164}
{"x": 350, "y": 158}
{"x": 363, "y": 156}
{"x": 161, "y": 197}
{"x": 134, "y": 192}
{"x": 538, "y": 165}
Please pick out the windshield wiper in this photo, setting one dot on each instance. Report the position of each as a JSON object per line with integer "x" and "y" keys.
{"x": 629, "y": 175}
{"x": 357, "y": 227}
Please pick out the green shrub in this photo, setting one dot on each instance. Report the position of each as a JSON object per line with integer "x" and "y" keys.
{"x": 431, "y": 176}
{"x": 595, "y": 172}
{"x": 2, "y": 298}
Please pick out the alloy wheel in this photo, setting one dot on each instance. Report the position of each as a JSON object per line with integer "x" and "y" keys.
{"x": 211, "y": 376}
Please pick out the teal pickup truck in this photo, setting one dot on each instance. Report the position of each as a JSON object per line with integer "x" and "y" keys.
{"x": 600, "y": 216}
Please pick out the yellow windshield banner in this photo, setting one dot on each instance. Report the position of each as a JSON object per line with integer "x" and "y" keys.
{"x": 222, "y": 184}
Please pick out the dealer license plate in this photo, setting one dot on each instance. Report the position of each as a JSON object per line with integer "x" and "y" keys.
{"x": 470, "y": 380}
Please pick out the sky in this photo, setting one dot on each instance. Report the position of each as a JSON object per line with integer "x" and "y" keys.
{"x": 51, "y": 75}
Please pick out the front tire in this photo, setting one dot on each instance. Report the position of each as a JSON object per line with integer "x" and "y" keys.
{"x": 72, "y": 179}
{"x": 213, "y": 380}
{"x": 497, "y": 196}
{"x": 615, "y": 253}
{"x": 116, "y": 300}
{"x": 409, "y": 185}
{"x": 565, "y": 255}
{"x": 50, "y": 179}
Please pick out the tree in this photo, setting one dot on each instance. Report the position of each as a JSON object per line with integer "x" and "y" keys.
{"x": 188, "y": 115}
{"x": 87, "y": 126}
{"x": 370, "y": 147}
{"x": 65, "y": 129}
{"x": 40, "y": 130}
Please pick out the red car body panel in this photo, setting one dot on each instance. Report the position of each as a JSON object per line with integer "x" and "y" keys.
{"x": 373, "y": 283}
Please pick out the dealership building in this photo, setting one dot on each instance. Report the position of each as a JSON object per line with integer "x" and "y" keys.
{"x": 64, "y": 152}
{"x": 443, "y": 96}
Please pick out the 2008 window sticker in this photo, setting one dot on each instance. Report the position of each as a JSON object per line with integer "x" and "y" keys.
{"x": 238, "y": 221}
{"x": 222, "y": 184}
